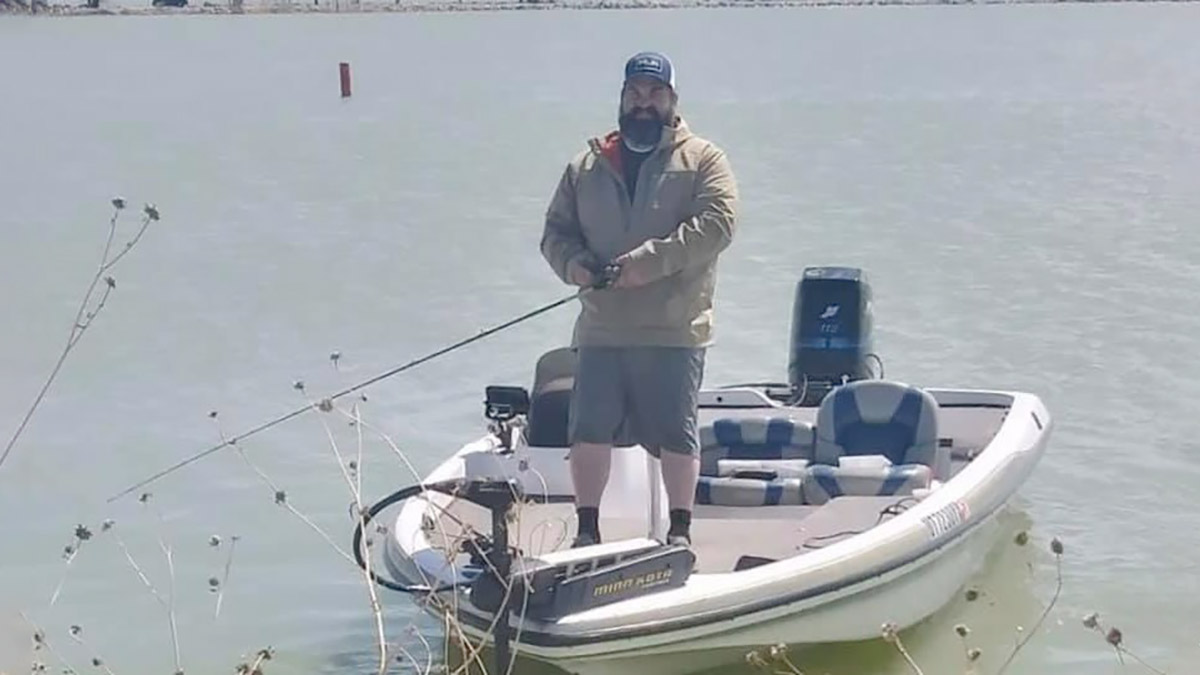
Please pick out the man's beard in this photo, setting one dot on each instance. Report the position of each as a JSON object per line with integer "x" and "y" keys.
{"x": 642, "y": 134}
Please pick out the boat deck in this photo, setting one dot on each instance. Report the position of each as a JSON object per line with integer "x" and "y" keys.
{"x": 721, "y": 535}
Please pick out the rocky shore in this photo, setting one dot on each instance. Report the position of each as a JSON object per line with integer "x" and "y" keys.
{"x": 104, "y": 8}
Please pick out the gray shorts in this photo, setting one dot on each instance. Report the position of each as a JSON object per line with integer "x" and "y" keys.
{"x": 642, "y": 395}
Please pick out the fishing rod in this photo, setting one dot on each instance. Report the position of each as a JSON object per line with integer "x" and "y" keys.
{"x": 607, "y": 278}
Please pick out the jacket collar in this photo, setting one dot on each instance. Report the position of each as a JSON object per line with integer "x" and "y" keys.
{"x": 609, "y": 147}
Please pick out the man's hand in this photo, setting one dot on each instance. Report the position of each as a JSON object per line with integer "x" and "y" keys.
{"x": 630, "y": 276}
{"x": 578, "y": 274}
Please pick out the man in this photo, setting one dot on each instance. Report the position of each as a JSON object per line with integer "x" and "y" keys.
{"x": 658, "y": 203}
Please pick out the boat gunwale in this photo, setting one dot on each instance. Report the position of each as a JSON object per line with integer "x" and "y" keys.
{"x": 745, "y": 612}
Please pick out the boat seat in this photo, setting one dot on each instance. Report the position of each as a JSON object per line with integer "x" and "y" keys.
{"x": 549, "y": 414}
{"x": 754, "y": 461}
{"x": 873, "y": 437}
{"x": 550, "y": 401}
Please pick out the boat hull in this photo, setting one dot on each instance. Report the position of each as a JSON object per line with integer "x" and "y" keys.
{"x": 900, "y": 572}
{"x": 904, "y": 598}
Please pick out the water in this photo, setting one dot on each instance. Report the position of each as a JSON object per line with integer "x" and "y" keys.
{"x": 1019, "y": 182}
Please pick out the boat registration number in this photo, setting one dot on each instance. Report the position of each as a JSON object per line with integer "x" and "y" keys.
{"x": 946, "y": 518}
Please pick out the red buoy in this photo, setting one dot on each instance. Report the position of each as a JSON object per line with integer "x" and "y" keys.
{"x": 345, "y": 73}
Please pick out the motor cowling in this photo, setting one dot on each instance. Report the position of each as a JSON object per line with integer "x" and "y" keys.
{"x": 831, "y": 331}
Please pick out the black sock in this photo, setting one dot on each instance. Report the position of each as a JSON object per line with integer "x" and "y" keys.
{"x": 681, "y": 522}
{"x": 589, "y": 521}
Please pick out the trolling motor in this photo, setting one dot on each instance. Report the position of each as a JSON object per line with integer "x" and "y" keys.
{"x": 545, "y": 587}
{"x": 498, "y": 497}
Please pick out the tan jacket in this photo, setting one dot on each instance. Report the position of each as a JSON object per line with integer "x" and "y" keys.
{"x": 681, "y": 218}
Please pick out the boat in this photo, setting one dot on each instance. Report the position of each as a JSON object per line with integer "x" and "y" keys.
{"x": 829, "y": 505}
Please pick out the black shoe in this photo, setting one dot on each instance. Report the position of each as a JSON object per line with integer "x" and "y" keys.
{"x": 679, "y": 540}
{"x": 587, "y": 530}
{"x": 679, "y": 534}
{"x": 585, "y": 539}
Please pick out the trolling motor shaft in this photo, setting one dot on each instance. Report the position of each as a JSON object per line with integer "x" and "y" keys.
{"x": 498, "y": 497}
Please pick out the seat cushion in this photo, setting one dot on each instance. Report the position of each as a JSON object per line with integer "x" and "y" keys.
{"x": 728, "y": 491}
{"x": 763, "y": 469}
{"x": 824, "y": 482}
{"x": 754, "y": 438}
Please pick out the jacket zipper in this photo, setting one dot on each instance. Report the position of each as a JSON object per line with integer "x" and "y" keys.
{"x": 626, "y": 203}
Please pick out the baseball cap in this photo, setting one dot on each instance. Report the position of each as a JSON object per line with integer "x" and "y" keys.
{"x": 651, "y": 64}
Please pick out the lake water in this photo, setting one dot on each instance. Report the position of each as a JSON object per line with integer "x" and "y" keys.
{"x": 1020, "y": 183}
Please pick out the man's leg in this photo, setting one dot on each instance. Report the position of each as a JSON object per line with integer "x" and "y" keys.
{"x": 596, "y": 412}
{"x": 681, "y": 472}
{"x": 590, "y": 465}
{"x": 666, "y": 386}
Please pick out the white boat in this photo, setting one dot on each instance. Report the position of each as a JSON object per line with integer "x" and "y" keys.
{"x": 828, "y": 506}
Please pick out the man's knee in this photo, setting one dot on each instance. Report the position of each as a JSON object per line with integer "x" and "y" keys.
{"x": 689, "y": 450}
{"x": 665, "y": 384}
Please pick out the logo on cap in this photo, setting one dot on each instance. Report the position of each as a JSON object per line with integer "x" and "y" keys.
{"x": 651, "y": 64}
{"x": 648, "y": 64}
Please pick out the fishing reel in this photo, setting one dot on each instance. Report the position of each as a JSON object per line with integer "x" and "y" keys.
{"x": 607, "y": 276}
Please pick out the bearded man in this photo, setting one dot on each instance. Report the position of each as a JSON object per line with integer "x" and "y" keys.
{"x": 657, "y": 204}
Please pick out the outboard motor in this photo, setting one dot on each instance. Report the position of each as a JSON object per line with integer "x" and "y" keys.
{"x": 831, "y": 332}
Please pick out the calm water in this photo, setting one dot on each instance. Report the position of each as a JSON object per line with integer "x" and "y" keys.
{"x": 1020, "y": 183}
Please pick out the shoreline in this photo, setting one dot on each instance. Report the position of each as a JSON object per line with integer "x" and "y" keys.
{"x": 209, "y": 8}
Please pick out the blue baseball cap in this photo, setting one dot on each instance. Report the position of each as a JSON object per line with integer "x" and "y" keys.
{"x": 651, "y": 64}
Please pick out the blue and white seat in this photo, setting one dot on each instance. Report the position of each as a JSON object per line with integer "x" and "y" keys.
{"x": 873, "y": 437}
{"x": 754, "y": 461}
